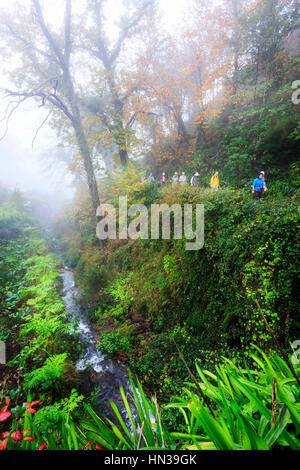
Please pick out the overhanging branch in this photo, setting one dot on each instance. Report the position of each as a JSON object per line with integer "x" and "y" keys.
{"x": 28, "y": 44}
{"x": 51, "y": 97}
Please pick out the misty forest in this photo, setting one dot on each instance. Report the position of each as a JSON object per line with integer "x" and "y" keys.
{"x": 123, "y": 343}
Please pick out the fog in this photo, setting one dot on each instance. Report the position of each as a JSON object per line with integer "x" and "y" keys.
{"x": 28, "y": 166}
{"x": 27, "y": 158}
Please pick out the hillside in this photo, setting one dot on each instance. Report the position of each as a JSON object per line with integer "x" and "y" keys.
{"x": 117, "y": 331}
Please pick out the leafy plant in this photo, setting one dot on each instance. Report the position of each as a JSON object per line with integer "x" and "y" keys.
{"x": 251, "y": 409}
{"x": 114, "y": 341}
{"x": 48, "y": 375}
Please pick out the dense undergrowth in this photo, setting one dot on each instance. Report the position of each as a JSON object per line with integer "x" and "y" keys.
{"x": 34, "y": 328}
{"x": 145, "y": 306}
{"x": 208, "y": 334}
{"x": 145, "y": 295}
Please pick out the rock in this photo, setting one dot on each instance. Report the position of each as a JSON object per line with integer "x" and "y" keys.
{"x": 137, "y": 318}
{"x": 138, "y": 329}
{"x": 86, "y": 385}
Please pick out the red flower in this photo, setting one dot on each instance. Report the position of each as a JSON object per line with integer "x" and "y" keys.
{"x": 17, "y": 436}
{"x": 4, "y": 435}
{"x": 32, "y": 403}
{"x": 98, "y": 447}
{"x": 88, "y": 444}
{"x": 42, "y": 447}
{"x": 29, "y": 438}
{"x": 31, "y": 410}
{"x": 7, "y": 400}
{"x": 3, "y": 444}
{"x": 4, "y": 415}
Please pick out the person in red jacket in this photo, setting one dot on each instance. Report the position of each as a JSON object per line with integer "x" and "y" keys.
{"x": 163, "y": 179}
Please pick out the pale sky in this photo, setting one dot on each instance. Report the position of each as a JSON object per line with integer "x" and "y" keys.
{"x": 20, "y": 164}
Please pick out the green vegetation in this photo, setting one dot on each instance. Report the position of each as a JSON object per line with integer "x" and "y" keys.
{"x": 237, "y": 409}
{"x": 205, "y": 300}
{"x": 207, "y": 335}
{"x": 240, "y": 415}
{"x": 33, "y": 326}
{"x": 158, "y": 307}
{"x": 257, "y": 132}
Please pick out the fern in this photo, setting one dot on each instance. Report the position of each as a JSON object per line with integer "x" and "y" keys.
{"x": 46, "y": 376}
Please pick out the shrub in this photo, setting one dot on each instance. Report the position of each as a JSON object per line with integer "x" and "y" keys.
{"x": 114, "y": 341}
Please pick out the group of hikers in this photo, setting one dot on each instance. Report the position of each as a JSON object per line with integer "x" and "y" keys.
{"x": 258, "y": 186}
{"x": 182, "y": 179}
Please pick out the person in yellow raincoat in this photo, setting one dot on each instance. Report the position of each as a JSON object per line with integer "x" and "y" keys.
{"x": 214, "y": 182}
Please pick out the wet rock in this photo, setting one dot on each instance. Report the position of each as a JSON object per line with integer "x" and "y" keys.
{"x": 86, "y": 383}
{"x": 138, "y": 329}
{"x": 137, "y": 318}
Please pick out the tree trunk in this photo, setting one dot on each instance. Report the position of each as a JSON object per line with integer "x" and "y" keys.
{"x": 123, "y": 154}
{"x": 181, "y": 129}
{"x": 119, "y": 127}
{"x": 81, "y": 141}
{"x": 88, "y": 164}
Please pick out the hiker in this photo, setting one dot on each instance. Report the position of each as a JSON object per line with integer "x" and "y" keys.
{"x": 151, "y": 178}
{"x": 195, "y": 180}
{"x": 163, "y": 179}
{"x": 175, "y": 178}
{"x": 143, "y": 179}
{"x": 214, "y": 182}
{"x": 182, "y": 179}
{"x": 263, "y": 173}
{"x": 258, "y": 186}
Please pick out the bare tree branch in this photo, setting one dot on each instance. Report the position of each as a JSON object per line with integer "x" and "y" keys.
{"x": 52, "y": 98}
{"x": 102, "y": 52}
{"x": 9, "y": 115}
{"x": 47, "y": 34}
{"x": 126, "y": 31}
{"x": 40, "y": 127}
{"x": 28, "y": 44}
{"x": 132, "y": 119}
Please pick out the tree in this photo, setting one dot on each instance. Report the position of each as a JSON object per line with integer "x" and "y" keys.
{"x": 111, "y": 111}
{"x": 46, "y": 56}
{"x": 265, "y": 24}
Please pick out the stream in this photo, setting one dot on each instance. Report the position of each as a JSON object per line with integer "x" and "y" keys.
{"x": 98, "y": 372}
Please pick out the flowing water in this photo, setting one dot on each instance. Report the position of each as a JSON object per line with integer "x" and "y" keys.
{"x": 105, "y": 374}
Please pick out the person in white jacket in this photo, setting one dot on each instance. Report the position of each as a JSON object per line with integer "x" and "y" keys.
{"x": 175, "y": 178}
{"x": 182, "y": 178}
